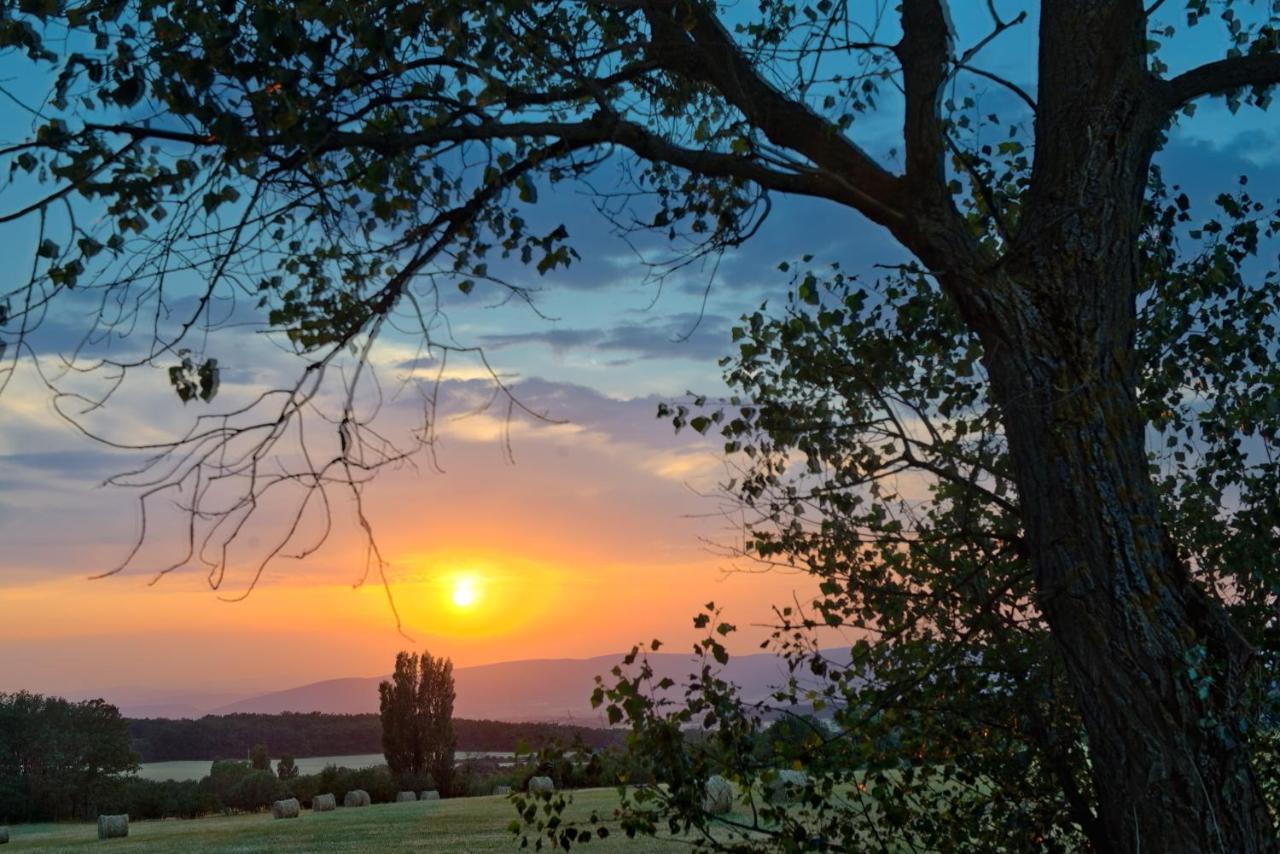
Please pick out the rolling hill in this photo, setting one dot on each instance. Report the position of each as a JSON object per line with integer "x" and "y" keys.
{"x": 556, "y": 689}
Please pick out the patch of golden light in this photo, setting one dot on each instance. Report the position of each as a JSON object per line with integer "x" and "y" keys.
{"x": 462, "y": 594}
{"x": 466, "y": 592}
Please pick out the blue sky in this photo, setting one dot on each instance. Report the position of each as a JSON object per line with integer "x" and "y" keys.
{"x": 608, "y": 500}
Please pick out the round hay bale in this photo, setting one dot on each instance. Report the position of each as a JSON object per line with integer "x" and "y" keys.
{"x": 4, "y": 835}
{"x": 324, "y": 803}
{"x": 541, "y": 784}
{"x": 402, "y": 797}
{"x": 717, "y": 795}
{"x": 787, "y": 786}
{"x": 430, "y": 795}
{"x": 113, "y": 826}
{"x": 356, "y": 798}
{"x": 287, "y": 808}
{"x": 502, "y": 790}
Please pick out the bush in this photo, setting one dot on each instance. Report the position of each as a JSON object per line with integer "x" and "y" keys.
{"x": 378, "y": 782}
{"x": 256, "y": 792}
{"x": 477, "y": 780}
{"x": 304, "y": 787}
{"x": 259, "y": 758}
{"x": 224, "y": 776}
{"x": 286, "y": 768}
{"x": 151, "y": 799}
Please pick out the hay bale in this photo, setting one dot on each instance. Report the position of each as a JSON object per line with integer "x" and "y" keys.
{"x": 4, "y": 835}
{"x": 113, "y": 826}
{"x": 402, "y": 797}
{"x": 717, "y": 795}
{"x": 502, "y": 790}
{"x": 541, "y": 784}
{"x": 324, "y": 803}
{"x": 287, "y": 808}
{"x": 430, "y": 795}
{"x": 356, "y": 798}
{"x": 787, "y": 786}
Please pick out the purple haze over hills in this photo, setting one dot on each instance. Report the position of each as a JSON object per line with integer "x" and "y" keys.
{"x": 533, "y": 690}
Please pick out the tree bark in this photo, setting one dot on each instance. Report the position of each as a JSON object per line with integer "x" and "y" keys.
{"x": 1158, "y": 670}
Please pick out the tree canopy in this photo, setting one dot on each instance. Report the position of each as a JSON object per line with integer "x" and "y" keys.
{"x": 342, "y": 168}
{"x": 416, "y": 709}
{"x": 59, "y": 759}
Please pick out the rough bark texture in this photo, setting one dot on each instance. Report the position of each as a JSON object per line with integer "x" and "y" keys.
{"x": 1057, "y": 321}
{"x": 1125, "y": 613}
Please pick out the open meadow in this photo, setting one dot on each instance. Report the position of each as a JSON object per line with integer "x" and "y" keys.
{"x": 448, "y": 826}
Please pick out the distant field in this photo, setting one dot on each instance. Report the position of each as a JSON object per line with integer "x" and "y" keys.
{"x": 195, "y": 769}
{"x": 470, "y": 825}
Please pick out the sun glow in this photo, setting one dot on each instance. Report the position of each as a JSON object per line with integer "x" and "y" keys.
{"x": 466, "y": 593}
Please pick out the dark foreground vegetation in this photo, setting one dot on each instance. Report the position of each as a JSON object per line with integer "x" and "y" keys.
{"x": 60, "y": 760}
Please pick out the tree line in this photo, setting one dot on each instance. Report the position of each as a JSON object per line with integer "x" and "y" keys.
{"x": 320, "y": 734}
{"x": 1081, "y": 613}
{"x": 57, "y": 758}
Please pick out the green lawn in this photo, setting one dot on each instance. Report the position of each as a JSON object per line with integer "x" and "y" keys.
{"x": 456, "y": 825}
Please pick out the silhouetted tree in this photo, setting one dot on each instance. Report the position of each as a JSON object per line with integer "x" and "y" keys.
{"x": 57, "y": 757}
{"x": 381, "y": 149}
{"x": 435, "y": 715}
{"x": 398, "y": 709}
{"x": 286, "y": 768}
{"x": 259, "y": 758}
{"x": 416, "y": 708}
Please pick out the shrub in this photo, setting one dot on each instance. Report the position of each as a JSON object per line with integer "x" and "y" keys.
{"x": 224, "y": 776}
{"x": 153, "y": 799}
{"x": 304, "y": 787}
{"x": 259, "y": 758}
{"x": 286, "y": 768}
{"x": 378, "y": 782}
{"x": 256, "y": 792}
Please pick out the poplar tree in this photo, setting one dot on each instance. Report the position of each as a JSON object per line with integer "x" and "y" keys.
{"x": 338, "y": 165}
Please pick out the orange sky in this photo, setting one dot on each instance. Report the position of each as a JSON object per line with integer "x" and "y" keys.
{"x": 594, "y": 539}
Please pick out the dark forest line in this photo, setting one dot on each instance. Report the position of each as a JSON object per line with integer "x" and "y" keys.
{"x": 320, "y": 734}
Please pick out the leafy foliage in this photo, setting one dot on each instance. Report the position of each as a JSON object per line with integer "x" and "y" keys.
{"x": 871, "y": 458}
{"x": 286, "y": 768}
{"x": 259, "y": 758}
{"x": 417, "y": 718}
{"x": 334, "y": 166}
{"x": 59, "y": 759}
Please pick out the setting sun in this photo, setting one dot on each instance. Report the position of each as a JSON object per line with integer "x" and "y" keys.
{"x": 465, "y": 593}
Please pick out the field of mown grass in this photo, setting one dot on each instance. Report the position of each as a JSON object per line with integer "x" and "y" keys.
{"x": 449, "y": 826}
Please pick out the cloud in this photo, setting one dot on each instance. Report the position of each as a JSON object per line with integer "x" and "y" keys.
{"x": 680, "y": 336}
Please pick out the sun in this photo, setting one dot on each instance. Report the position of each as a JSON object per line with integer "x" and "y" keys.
{"x": 465, "y": 592}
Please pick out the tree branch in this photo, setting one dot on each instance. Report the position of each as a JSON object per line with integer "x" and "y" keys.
{"x": 602, "y": 129}
{"x": 708, "y": 53}
{"x": 1216, "y": 78}
{"x": 925, "y": 54}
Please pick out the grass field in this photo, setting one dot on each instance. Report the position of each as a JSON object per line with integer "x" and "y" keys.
{"x": 449, "y": 826}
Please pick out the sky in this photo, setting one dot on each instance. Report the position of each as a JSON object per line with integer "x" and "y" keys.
{"x": 572, "y": 537}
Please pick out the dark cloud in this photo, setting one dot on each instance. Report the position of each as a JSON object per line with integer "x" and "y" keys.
{"x": 86, "y": 465}
{"x": 417, "y": 364}
{"x": 681, "y": 336}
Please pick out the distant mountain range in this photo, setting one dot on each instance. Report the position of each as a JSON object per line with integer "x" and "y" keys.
{"x": 534, "y": 690}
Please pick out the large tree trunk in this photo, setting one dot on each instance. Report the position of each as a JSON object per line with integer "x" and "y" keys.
{"x": 1157, "y": 668}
